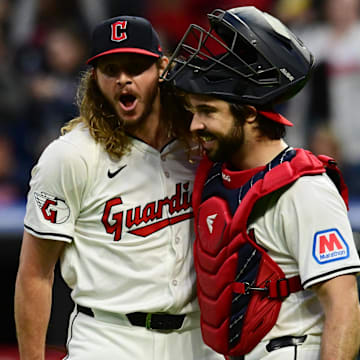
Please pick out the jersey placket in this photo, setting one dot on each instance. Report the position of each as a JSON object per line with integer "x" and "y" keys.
{"x": 175, "y": 241}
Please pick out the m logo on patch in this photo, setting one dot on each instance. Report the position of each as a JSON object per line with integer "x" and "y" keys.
{"x": 329, "y": 246}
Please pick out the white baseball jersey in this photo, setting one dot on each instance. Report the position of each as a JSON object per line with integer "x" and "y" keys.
{"x": 306, "y": 230}
{"x": 127, "y": 223}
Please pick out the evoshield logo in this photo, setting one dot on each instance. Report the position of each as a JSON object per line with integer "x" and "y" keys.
{"x": 209, "y": 221}
{"x": 329, "y": 245}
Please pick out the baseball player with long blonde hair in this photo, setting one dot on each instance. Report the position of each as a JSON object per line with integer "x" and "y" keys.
{"x": 111, "y": 199}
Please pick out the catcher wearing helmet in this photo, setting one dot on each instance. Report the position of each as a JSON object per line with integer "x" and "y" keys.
{"x": 274, "y": 251}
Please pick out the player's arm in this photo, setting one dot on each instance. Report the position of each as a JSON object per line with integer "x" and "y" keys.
{"x": 341, "y": 334}
{"x": 33, "y": 294}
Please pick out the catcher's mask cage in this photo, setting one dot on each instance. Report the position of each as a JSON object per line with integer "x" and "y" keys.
{"x": 247, "y": 56}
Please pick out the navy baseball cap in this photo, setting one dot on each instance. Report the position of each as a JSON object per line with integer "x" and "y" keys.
{"x": 125, "y": 34}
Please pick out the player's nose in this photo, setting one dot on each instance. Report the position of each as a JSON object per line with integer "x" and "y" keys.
{"x": 196, "y": 123}
{"x": 123, "y": 78}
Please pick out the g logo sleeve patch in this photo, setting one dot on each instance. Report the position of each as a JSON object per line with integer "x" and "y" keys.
{"x": 329, "y": 245}
{"x": 52, "y": 208}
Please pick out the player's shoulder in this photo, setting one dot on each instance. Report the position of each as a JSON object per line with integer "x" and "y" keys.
{"x": 79, "y": 137}
{"x": 78, "y": 141}
{"x": 311, "y": 189}
{"x": 320, "y": 183}
{"x": 75, "y": 150}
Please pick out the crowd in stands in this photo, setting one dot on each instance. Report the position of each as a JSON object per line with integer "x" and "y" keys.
{"x": 44, "y": 44}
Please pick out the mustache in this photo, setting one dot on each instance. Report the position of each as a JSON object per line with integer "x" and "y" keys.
{"x": 204, "y": 133}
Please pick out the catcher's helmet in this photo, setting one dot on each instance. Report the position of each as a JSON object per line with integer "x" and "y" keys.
{"x": 247, "y": 56}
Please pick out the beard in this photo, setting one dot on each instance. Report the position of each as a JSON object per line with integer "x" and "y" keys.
{"x": 227, "y": 145}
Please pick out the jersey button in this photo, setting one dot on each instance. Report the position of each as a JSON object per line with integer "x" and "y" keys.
{"x": 177, "y": 240}
{"x": 167, "y": 174}
{"x": 175, "y": 282}
{"x": 163, "y": 157}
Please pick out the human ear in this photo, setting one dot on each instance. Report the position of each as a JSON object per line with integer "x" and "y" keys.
{"x": 163, "y": 63}
{"x": 252, "y": 114}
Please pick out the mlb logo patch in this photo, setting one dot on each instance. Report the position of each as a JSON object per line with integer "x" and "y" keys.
{"x": 329, "y": 245}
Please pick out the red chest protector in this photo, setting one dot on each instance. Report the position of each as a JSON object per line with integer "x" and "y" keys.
{"x": 240, "y": 288}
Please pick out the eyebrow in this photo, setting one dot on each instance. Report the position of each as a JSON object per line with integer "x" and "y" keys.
{"x": 204, "y": 107}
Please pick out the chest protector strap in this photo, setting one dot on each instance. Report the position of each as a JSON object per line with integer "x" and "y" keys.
{"x": 240, "y": 288}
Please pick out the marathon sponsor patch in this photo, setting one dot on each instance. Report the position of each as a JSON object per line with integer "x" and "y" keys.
{"x": 52, "y": 208}
{"x": 329, "y": 245}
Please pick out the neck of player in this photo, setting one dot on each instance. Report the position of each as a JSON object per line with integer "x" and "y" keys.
{"x": 257, "y": 151}
{"x": 155, "y": 130}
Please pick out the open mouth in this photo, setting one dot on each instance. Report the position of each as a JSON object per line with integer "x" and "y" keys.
{"x": 128, "y": 102}
{"x": 205, "y": 136}
{"x": 207, "y": 141}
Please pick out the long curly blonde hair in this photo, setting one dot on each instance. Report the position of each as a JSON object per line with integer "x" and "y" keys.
{"x": 106, "y": 127}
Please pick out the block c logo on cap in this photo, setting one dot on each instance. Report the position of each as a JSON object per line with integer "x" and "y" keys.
{"x": 328, "y": 246}
{"x": 117, "y": 35}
